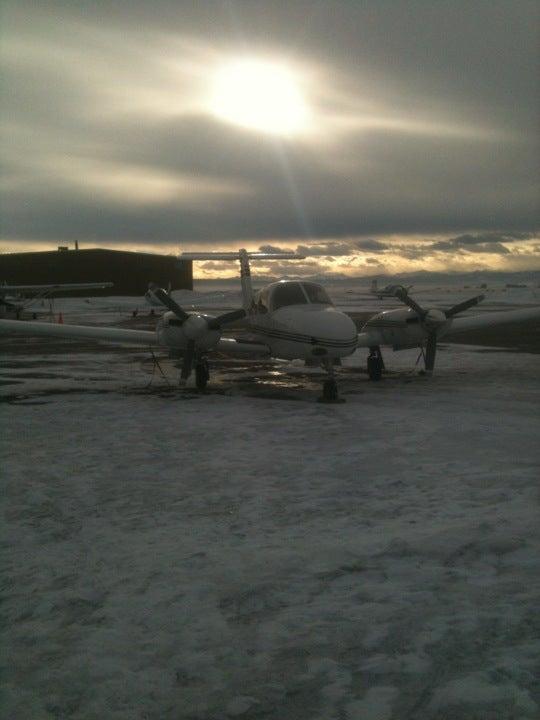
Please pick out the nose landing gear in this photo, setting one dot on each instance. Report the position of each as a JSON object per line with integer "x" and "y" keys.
{"x": 330, "y": 388}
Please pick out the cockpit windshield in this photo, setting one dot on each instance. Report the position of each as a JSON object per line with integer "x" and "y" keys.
{"x": 295, "y": 293}
{"x": 288, "y": 293}
{"x": 316, "y": 293}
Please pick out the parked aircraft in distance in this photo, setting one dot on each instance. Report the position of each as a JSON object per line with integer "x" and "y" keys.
{"x": 288, "y": 319}
{"x": 387, "y": 291}
{"x": 13, "y": 298}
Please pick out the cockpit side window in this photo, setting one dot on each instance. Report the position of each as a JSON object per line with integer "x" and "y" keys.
{"x": 262, "y": 302}
{"x": 289, "y": 293}
{"x": 316, "y": 294}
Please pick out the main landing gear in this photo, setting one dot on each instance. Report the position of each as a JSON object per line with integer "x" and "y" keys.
{"x": 330, "y": 389}
{"x": 198, "y": 376}
{"x": 202, "y": 374}
{"x": 375, "y": 363}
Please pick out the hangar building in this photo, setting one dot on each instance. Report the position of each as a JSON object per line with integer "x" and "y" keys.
{"x": 129, "y": 271}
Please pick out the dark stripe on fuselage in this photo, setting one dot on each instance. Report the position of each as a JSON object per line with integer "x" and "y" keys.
{"x": 386, "y": 325}
{"x": 304, "y": 339}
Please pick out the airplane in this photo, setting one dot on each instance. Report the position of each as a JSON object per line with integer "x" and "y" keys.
{"x": 288, "y": 320}
{"x": 10, "y": 293}
{"x": 387, "y": 291}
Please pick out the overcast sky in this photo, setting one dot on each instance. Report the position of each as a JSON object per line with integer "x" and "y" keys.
{"x": 375, "y": 136}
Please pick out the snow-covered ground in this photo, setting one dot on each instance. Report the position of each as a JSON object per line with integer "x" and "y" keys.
{"x": 349, "y": 295}
{"x": 252, "y": 554}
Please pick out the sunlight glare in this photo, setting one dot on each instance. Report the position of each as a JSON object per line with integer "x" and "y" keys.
{"x": 260, "y": 96}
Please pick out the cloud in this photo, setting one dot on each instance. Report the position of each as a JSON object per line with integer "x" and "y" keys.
{"x": 489, "y": 237}
{"x": 420, "y": 129}
{"x": 216, "y": 266}
{"x": 273, "y": 249}
{"x": 480, "y": 242}
{"x": 492, "y": 247}
{"x": 297, "y": 268}
{"x": 372, "y": 245}
{"x": 326, "y": 248}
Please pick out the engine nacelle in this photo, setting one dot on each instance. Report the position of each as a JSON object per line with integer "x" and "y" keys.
{"x": 176, "y": 333}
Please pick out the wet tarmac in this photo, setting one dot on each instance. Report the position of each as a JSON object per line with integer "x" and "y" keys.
{"x": 37, "y": 368}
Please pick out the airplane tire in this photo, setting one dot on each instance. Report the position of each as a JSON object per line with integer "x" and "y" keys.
{"x": 330, "y": 391}
{"x": 374, "y": 367}
{"x": 202, "y": 375}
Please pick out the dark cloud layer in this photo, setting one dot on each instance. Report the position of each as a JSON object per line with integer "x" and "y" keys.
{"x": 469, "y": 244}
{"x": 480, "y": 242}
{"x": 429, "y": 112}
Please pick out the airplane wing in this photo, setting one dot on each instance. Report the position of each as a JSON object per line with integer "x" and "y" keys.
{"x": 463, "y": 324}
{"x": 472, "y": 322}
{"x": 68, "y": 332}
{"x": 54, "y": 286}
{"x": 229, "y": 346}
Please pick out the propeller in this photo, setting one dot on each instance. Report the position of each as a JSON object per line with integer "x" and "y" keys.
{"x": 195, "y": 326}
{"x": 167, "y": 300}
{"x": 436, "y": 315}
{"x": 433, "y": 319}
{"x": 465, "y": 305}
{"x": 228, "y": 317}
{"x": 403, "y": 295}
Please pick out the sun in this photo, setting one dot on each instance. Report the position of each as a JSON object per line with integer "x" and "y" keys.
{"x": 259, "y": 95}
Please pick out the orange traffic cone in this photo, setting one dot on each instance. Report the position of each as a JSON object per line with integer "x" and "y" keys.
{"x": 60, "y": 319}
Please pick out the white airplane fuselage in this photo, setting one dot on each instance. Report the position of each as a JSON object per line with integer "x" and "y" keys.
{"x": 307, "y": 332}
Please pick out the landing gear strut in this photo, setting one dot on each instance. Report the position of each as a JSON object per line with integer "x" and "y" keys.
{"x": 195, "y": 373}
{"x": 330, "y": 389}
{"x": 375, "y": 363}
{"x": 202, "y": 374}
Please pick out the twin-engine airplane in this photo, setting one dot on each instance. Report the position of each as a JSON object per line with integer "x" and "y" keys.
{"x": 287, "y": 319}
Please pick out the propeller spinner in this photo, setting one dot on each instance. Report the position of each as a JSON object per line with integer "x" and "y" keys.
{"x": 194, "y": 326}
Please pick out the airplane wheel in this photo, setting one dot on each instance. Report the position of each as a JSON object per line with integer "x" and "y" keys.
{"x": 330, "y": 391}
{"x": 202, "y": 375}
{"x": 374, "y": 367}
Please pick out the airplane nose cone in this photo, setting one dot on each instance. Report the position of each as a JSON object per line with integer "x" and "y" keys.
{"x": 332, "y": 325}
{"x": 327, "y": 329}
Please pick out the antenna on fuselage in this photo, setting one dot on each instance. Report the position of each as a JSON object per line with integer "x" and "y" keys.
{"x": 245, "y": 272}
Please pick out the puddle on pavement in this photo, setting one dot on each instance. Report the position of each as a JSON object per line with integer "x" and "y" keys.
{"x": 136, "y": 373}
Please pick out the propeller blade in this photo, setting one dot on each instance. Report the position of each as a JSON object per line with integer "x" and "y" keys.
{"x": 170, "y": 303}
{"x": 402, "y": 295}
{"x": 465, "y": 305}
{"x": 229, "y": 317}
{"x": 431, "y": 351}
{"x": 187, "y": 363}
